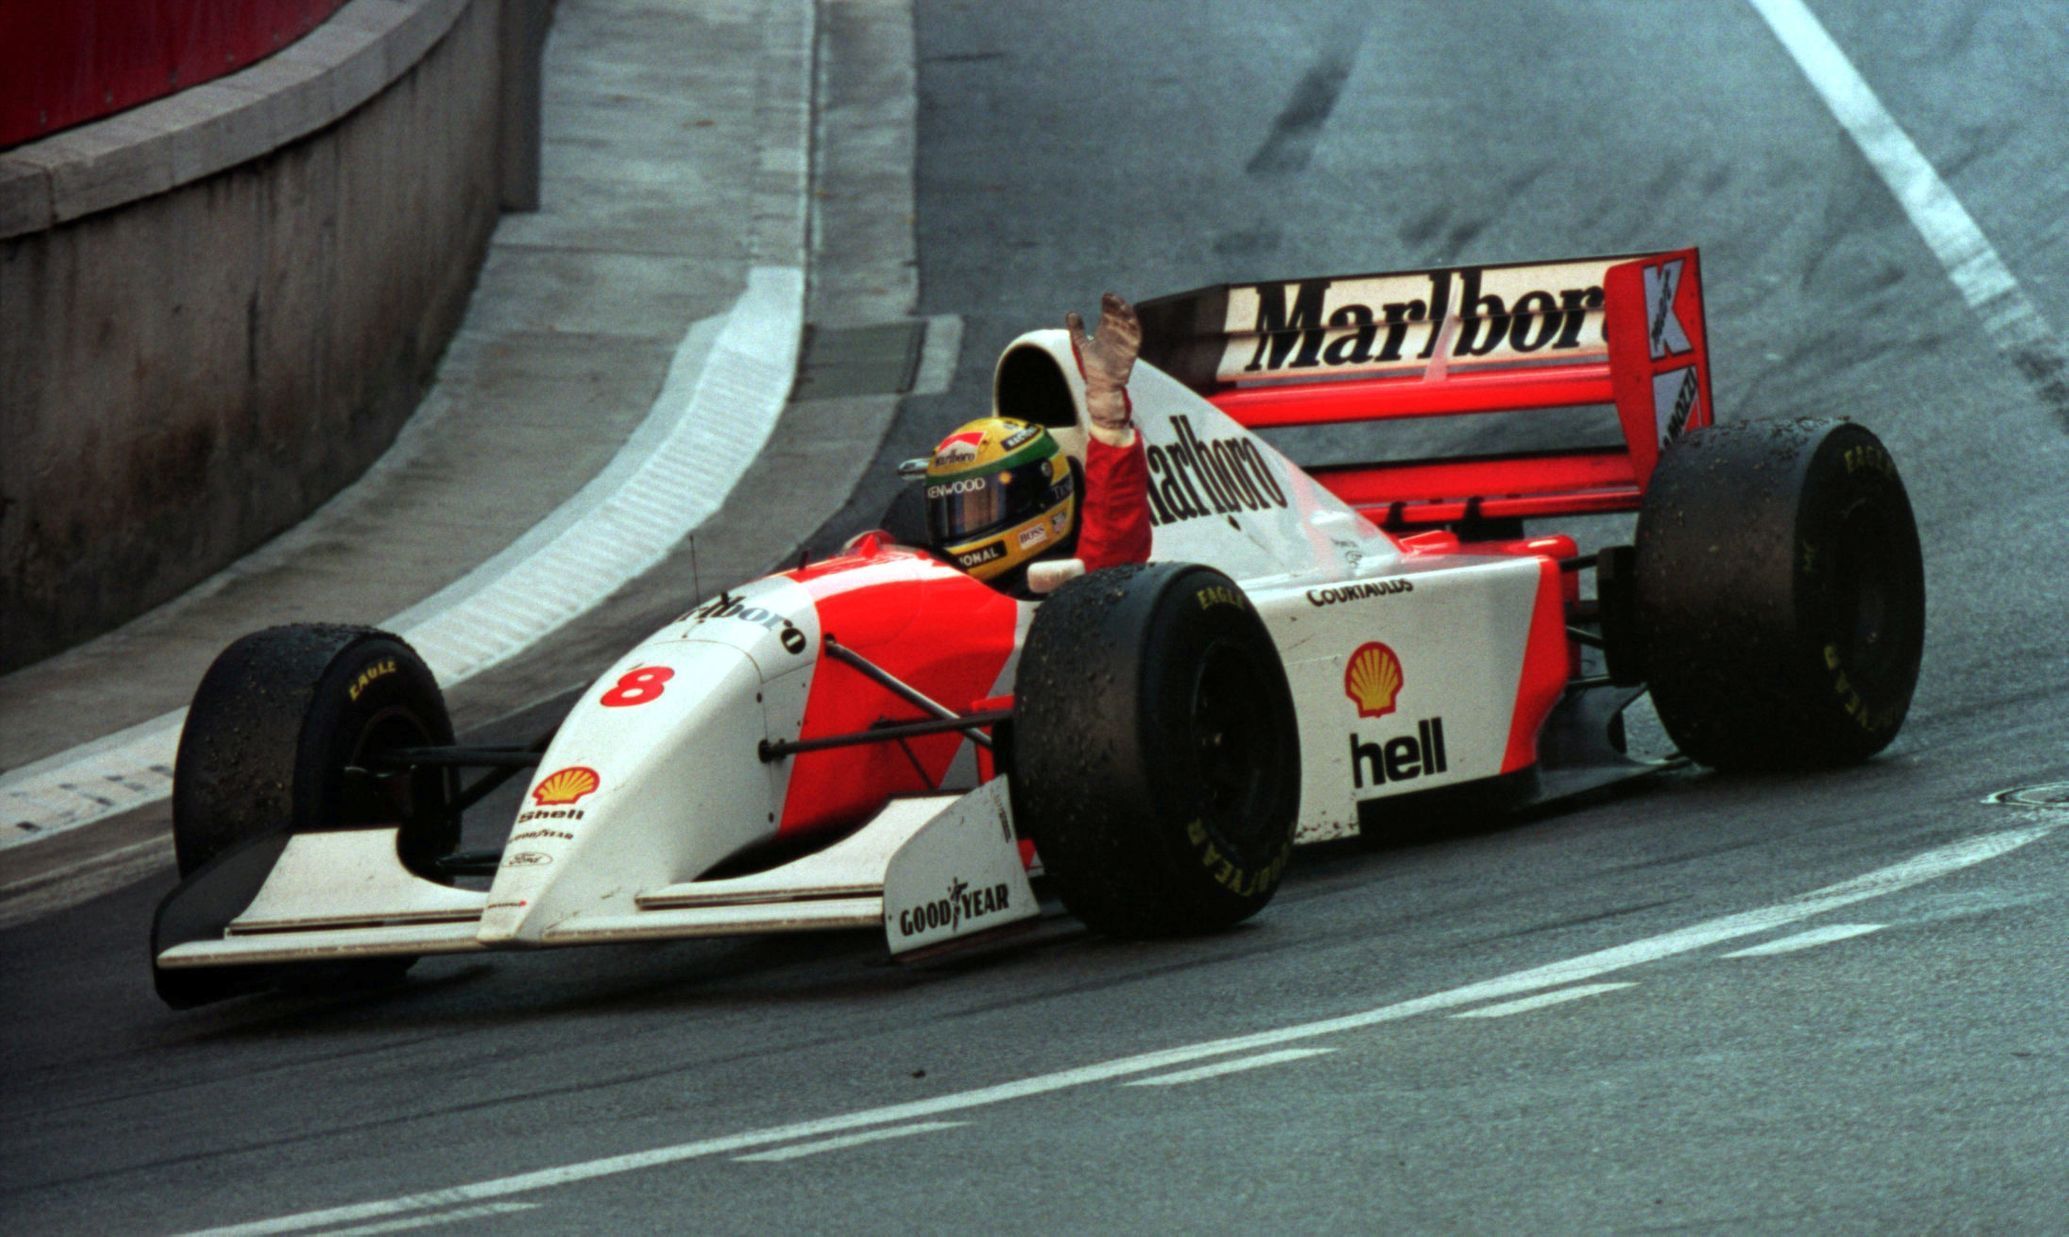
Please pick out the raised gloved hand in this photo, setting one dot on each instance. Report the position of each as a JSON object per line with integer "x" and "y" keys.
{"x": 1105, "y": 361}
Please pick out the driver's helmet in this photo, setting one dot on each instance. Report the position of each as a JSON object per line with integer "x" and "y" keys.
{"x": 999, "y": 494}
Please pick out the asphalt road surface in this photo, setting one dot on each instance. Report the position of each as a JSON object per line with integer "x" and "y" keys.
{"x": 1368, "y": 1053}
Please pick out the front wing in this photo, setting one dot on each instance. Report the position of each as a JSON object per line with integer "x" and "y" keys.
{"x": 927, "y": 870}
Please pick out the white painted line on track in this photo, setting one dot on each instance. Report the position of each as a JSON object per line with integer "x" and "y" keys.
{"x": 848, "y": 1140}
{"x": 725, "y": 389}
{"x": 611, "y": 533}
{"x": 939, "y": 354}
{"x": 483, "y": 1211}
{"x": 24, "y": 900}
{"x": 1805, "y": 940}
{"x": 1236, "y": 1066}
{"x": 1940, "y": 861}
{"x": 1979, "y": 274}
{"x": 1541, "y": 1000}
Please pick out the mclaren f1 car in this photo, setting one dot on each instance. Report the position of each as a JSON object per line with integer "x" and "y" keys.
{"x": 877, "y": 740}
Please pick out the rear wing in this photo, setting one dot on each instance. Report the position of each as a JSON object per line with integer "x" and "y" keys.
{"x": 1624, "y": 331}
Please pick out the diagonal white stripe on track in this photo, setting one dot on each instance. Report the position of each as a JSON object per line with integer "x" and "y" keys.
{"x": 483, "y": 1211}
{"x": 1808, "y": 940}
{"x": 845, "y": 1141}
{"x": 1200, "y": 1073}
{"x": 1558, "y": 996}
{"x": 2008, "y": 314}
{"x": 1923, "y": 867}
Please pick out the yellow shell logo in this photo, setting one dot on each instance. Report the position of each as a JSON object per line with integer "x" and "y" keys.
{"x": 565, "y": 786}
{"x": 1372, "y": 679}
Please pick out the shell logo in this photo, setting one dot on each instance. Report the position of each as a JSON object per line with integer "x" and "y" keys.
{"x": 565, "y": 786}
{"x": 1372, "y": 679}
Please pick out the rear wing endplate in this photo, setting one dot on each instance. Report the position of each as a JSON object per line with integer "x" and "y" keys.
{"x": 1624, "y": 331}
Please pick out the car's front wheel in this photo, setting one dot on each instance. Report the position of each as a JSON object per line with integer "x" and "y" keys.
{"x": 1155, "y": 760}
{"x": 283, "y": 737}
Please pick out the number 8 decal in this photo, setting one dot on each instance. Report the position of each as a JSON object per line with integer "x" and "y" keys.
{"x": 637, "y": 687}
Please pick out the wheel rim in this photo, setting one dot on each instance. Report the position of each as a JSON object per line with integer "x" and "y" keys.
{"x": 1233, "y": 746}
{"x": 386, "y": 730}
{"x": 1863, "y": 611}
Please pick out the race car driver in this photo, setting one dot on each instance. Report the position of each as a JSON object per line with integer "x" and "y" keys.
{"x": 1002, "y": 495}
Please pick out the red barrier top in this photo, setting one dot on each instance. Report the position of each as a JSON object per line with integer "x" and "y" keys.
{"x": 63, "y": 64}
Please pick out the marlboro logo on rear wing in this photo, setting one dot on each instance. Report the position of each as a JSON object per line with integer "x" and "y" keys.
{"x": 1624, "y": 331}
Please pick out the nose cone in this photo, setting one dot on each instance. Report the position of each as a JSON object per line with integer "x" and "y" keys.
{"x": 640, "y": 788}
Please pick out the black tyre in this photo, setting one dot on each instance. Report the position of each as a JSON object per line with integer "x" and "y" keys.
{"x": 279, "y": 729}
{"x": 1155, "y": 759}
{"x": 1779, "y": 594}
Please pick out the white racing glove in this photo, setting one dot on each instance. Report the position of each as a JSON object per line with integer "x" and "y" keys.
{"x": 1104, "y": 362}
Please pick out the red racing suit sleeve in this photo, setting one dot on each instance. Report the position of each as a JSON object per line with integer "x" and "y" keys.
{"x": 1113, "y": 522}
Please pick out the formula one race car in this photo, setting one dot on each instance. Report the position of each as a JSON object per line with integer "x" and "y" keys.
{"x": 879, "y": 740}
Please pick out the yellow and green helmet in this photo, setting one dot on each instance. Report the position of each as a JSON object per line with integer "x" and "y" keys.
{"x": 999, "y": 493}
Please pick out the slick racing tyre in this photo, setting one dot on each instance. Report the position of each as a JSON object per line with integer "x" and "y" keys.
{"x": 1155, "y": 759}
{"x": 279, "y": 728}
{"x": 277, "y": 742}
{"x": 1779, "y": 594}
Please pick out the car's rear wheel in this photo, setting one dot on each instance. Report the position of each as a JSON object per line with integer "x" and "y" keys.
{"x": 1155, "y": 761}
{"x": 1779, "y": 594}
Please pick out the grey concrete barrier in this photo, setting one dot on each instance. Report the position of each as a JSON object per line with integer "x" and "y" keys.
{"x": 217, "y": 309}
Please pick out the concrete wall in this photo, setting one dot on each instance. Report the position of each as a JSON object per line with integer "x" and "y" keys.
{"x": 188, "y": 373}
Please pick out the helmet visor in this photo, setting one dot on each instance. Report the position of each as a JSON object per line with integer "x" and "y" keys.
{"x": 964, "y": 508}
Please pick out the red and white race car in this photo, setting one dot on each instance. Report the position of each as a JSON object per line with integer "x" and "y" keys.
{"x": 879, "y": 740}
